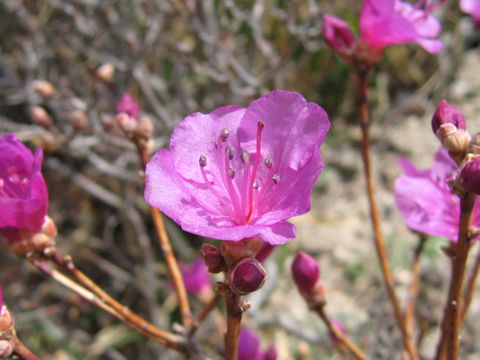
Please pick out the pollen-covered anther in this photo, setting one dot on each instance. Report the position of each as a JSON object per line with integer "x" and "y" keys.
{"x": 268, "y": 162}
{"x": 276, "y": 178}
{"x": 224, "y": 135}
{"x": 245, "y": 157}
{"x": 231, "y": 172}
{"x": 230, "y": 152}
{"x": 256, "y": 185}
{"x": 202, "y": 161}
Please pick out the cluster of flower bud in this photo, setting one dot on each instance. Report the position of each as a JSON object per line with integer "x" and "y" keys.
{"x": 7, "y": 332}
{"x": 137, "y": 128}
{"x": 449, "y": 125}
{"x": 306, "y": 275}
{"x": 42, "y": 241}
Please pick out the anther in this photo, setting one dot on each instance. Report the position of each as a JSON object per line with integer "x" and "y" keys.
{"x": 245, "y": 156}
{"x": 224, "y": 135}
{"x": 276, "y": 178}
{"x": 202, "y": 160}
{"x": 255, "y": 185}
{"x": 261, "y": 124}
{"x": 230, "y": 152}
{"x": 268, "y": 162}
{"x": 231, "y": 172}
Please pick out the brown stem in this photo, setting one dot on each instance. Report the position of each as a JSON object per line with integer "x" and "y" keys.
{"x": 449, "y": 340}
{"x": 234, "y": 318}
{"x": 209, "y": 306}
{"x": 340, "y": 335}
{"x": 375, "y": 216}
{"x": 23, "y": 352}
{"x": 164, "y": 337}
{"x": 469, "y": 291}
{"x": 177, "y": 278}
{"x": 413, "y": 290}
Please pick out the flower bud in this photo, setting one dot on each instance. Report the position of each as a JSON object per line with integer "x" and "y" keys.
{"x": 79, "y": 120}
{"x": 265, "y": 251}
{"x": 128, "y": 105}
{"x": 456, "y": 141}
{"x": 6, "y": 348}
{"x": 105, "y": 72}
{"x": 447, "y": 114}
{"x": 469, "y": 177}
{"x": 6, "y": 320}
{"x": 341, "y": 331}
{"x": 271, "y": 353}
{"x": 305, "y": 272}
{"x": 234, "y": 251}
{"x": 213, "y": 258}
{"x": 337, "y": 34}
{"x": 44, "y": 88}
{"x": 127, "y": 124}
{"x": 145, "y": 127}
{"x": 40, "y": 116}
{"x": 246, "y": 277}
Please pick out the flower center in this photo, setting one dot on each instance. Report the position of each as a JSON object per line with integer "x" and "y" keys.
{"x": 12, "y": 185}
{"x": 244, "y": 182}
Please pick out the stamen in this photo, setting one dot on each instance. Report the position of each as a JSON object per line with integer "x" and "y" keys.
{"x": 224, "y": 135}
{"x": 276, "y": 178}
{"x": 260, "y": 126}
{"x": 245, "y": 157}
{"x": 230, "y": 152}
{"x": 268, "y": 162}
{"x": 255, "y": 185}
{"x": 231, "y": 172}
{"x": 203, "y": 162}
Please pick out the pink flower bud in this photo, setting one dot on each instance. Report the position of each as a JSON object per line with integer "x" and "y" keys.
{"x": 447, "y": 114}
{"x": 271, "y": 353}
{"x": 247, "y": 276}
{"x": 248, "y": 345}
{"x": 128, "y": 106}
{"x": 305, "y": 272}
{"x": 470, "y": 176}
{"x": 341, "y": 329}
{"x": 456, "y": 141}
{"x": 213, "y": 258}
{"x": 337, "y": 34}
{"x": 265, "y": 251}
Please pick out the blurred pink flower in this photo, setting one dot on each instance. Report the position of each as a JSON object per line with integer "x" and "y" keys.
{"x": 425, "y": 201}
{"x": 390, "y": 22}
{"x": 472, "y": 7}
{"x": 195, "y": 276}
{"x": 249, "y": 347}
{"x": 337, "y": 34}
{"x": 128, "y": 105}
{"x": 240, "y": 173}
{"x": 23, "y": 192}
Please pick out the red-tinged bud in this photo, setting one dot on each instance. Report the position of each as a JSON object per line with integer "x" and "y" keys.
{"x": 234, "y": 251}
{"x": 246, "y": 277}
{"x": 44, "y": 88}
{"x": 337, "y": 34}
{"x": 340, "y": 330}
{"x": 447, "y": 114}
{"x": 305, "y": 272}
{"x": 213, "y": 258}
{"x": 469, "y": 178}
{"x": 271, "y": 353}
{"x": 127, "y": 124}
{"x": 6, "y": 348}
{"x": 145, "y": 127}
{"x": 6, "y": 320}
{"x": 265, "y": 251}
{"x": 456, "y": 141}
{"x": 105, "y": 72}
{"x": 40, "y": 116}
{"x": 128, "y": 106}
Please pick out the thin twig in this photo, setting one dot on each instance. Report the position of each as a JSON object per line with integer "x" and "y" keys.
{"x": 234, "y": 318}
{"x": 413, "y": 289}
{"x": 340, "y": 335}
{"x": 451, "y": 325}
{"x": 470, "y": 289}
{"x": 209, "y": 306}
{"x": 375, "y": 216}
{"x": 23, "y": 352}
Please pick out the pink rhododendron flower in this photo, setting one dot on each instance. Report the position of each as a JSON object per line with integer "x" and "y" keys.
{"x": 195, "y": 276}
{"x": 425, "y": 201}
{"x": 23, "y": 192}
{"x": 240, "y": 173}
{"x": 472, "y": 7}
{"x": 390, "y": 22}
{"x": 249, "y": 347}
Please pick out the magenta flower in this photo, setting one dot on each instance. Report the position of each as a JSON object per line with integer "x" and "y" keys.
{"x": 128, "y": 105}
{"x": 240, "y": 173}
{"x": 195, "y": 276}
{"x": 249, "y": 347}
{"x": 472, "y": 7}
{"x": 23, "y": 192}
{"x": 390, "y": 22}
{"x": 425, "y": 201}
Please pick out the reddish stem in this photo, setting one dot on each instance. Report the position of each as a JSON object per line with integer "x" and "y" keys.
{"x": 374, "y": 214}
{"x": 234, "y": 318}
{"x": 451, "y": 325}
{"x": 22, "y": 351}
{"x": 470, "y": 287}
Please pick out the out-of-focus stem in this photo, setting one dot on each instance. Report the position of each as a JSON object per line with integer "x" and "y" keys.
{"x": 234, "y": 318}
{"x": 374, "y": 214}
{"x": 413, "y": 290}
{"x": 469, "y": 291}
{"x": 450, "y": 342}
{"x": 23, "y": 352}
{"x": 209, "y": 306}
{"x": 177, "y": 278}
{"x": 164, "y": 337}
{"x": 343, "y": 338}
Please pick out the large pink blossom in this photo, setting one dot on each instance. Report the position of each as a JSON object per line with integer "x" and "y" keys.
{"x": 425, "y": 201}
{"x": 390, "y": 22}
{"x": 239, "y": 173}
{"x": 23, "y": 192}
